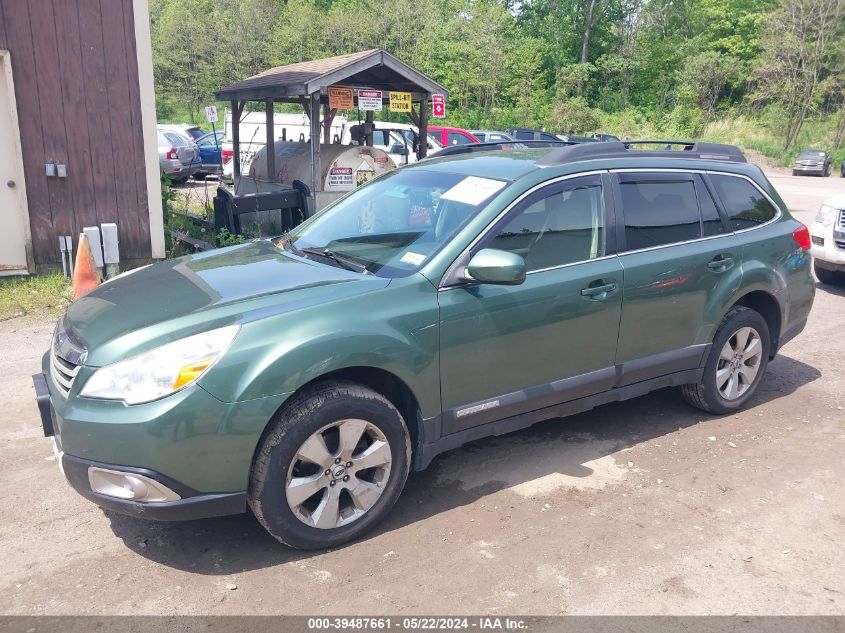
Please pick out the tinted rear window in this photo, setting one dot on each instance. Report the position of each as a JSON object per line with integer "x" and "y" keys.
{"x": 659, "y": 213}
{"x": 745, "y": 206}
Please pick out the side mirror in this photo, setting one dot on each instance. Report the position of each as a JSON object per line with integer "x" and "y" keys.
{"x": 492, "y": 266}
{"x": 399, "y": 149}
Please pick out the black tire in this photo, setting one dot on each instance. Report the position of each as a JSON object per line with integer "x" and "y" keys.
{"x": 794, "y": 173}
{"x": 309, "y": 412}
{"x": 830, "y": 277}
{"x": 705, "y": 395}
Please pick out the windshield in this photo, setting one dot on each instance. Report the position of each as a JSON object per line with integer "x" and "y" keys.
{"x": 812, "y": 153}
{"x": 393, "y": 225}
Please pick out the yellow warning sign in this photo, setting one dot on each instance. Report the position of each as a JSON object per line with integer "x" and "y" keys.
{"x": 400, "y": 101}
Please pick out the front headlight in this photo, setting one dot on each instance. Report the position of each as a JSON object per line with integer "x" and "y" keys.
{"x": 826, "y": 215}
{"x": 162, "y": 371}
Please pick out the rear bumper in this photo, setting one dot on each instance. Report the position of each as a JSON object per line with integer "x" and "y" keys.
{"x": 176, "y": 168}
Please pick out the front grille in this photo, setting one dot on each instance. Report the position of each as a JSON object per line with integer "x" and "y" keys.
{"x": 62, "y": 372}
{"x": 67, "y": 355}
{"x": 842, "y": 219}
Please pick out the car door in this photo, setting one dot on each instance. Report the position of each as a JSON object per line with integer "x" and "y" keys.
{"x": 506, "y": 350}
{"x": 680, "y": 262}
{"x": 209, "y": 147}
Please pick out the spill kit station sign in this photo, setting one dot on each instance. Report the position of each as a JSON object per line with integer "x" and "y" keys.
{"x": 400, "y": 101}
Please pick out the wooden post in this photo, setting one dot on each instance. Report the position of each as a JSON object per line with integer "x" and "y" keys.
{"x": 271, "y": 139}
{"x": 314, "y": 115}
{"x": 237, "y": 106}
{"x": 422, "y": 150}
{"x": 328, "y": 119}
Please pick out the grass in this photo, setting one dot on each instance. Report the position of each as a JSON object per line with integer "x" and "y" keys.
{"x": 48, "y": 295}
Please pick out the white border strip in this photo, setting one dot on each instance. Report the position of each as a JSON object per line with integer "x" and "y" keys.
{"x": 144, "y": 52}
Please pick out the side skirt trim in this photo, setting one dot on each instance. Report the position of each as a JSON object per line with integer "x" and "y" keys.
{"x": 428, "y": 451}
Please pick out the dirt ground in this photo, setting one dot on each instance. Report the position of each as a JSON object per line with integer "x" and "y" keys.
{"x": 643, "y": 507}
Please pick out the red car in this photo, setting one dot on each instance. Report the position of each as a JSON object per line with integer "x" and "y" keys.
{"x": 447, "y": 136}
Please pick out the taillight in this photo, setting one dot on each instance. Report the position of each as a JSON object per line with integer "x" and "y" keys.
{"x": 226, "y": 155}
{"x": 801, "y": 235}
{"x": 171, "y": 154}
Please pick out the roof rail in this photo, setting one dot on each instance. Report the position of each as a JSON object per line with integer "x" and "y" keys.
{"x": 472, "y": 148}
{"x": 623, "y": 149}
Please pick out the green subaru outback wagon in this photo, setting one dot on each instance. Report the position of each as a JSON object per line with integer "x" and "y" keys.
{"x": 304, "y": 376}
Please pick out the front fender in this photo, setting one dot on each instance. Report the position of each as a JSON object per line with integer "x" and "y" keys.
{"x": 394, "y": 329}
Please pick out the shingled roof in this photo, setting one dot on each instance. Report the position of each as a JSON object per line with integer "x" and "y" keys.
{"x": 374, "y": 68}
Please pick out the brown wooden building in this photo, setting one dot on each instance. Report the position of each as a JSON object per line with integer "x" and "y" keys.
{"x": 76, "y": 93}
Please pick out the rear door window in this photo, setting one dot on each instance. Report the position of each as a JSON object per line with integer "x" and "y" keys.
{"x": 744, "y": 204}
{"x": 657, "y": 211}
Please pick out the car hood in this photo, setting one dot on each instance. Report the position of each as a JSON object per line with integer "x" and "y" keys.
{"x": 150, "y": 306}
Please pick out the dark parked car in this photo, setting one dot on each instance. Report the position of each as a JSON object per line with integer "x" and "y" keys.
{"x": 812, "y": 162}
{"x": 453, "y": 299}
{"x": 210, "y": 146}
{"x": 193, "y": 132}
{"x": 526, "y": 134}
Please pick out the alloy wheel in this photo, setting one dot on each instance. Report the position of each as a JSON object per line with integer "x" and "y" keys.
{"x": 739, "y": 363}
{"x": 338, "y": 474}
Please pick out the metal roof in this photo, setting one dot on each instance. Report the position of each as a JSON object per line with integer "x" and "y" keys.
{"x": 374, "y": 68}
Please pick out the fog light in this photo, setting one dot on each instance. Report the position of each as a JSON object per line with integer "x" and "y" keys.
{"x": 130, "y": 486}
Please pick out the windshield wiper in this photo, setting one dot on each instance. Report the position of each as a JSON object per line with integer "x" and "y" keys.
{"x": 341, "y": 260}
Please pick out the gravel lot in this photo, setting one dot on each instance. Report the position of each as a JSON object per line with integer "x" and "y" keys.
{"x": 646, "y": 507}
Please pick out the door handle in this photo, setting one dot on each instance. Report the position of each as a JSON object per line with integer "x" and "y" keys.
{"x": 600, "y": 292}
{"x": 721, "y": 263}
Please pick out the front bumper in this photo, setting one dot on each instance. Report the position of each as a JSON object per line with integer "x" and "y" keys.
{"x": 192, "y": 443}
{"x": 192, "y": 505}
{"x": 830, "y": 253}
{"x": 809, "y": 170}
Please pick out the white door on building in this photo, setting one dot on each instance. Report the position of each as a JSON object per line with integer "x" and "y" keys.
{"x": 14, "y": 215}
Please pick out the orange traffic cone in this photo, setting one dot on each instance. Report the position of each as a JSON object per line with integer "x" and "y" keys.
{"x": 85, "y": 275}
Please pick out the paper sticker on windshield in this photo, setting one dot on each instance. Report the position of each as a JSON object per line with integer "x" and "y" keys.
{"x": 415, "y": 259}
{"x": 473, "y": 190}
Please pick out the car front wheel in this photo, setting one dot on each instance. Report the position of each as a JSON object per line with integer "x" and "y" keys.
{"x": 331, "y": 466}
{"x": 735, "y": 365}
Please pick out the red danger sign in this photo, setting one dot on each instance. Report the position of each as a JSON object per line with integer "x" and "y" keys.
{"x": 438, "y": 106}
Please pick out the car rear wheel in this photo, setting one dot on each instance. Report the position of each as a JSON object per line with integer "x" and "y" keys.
{"x": 331, "y": 466}
{"x": 826, "y": 276}
{"x": 735, "y": 365}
